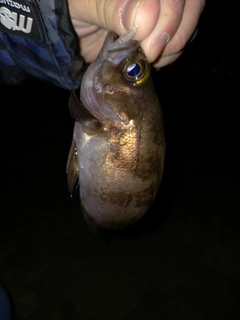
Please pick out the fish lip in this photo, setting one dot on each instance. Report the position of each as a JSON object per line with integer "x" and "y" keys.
{"x": 115, "y": 52}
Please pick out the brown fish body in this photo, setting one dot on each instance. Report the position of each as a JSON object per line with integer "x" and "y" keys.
{"x": 120, "y": 151}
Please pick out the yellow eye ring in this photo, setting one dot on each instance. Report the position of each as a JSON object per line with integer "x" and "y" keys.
{"x": 136, "y": 71}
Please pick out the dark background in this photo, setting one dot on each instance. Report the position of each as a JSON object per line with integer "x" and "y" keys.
{"x": 181, "y": 261}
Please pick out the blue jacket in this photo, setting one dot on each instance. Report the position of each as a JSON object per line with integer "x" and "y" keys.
{"x": 37, "y": 39}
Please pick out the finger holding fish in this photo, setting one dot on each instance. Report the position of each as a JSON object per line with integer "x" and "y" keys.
{"x": 165, "y": 26}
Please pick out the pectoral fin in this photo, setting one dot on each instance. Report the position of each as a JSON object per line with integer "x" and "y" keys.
{"x": 72, "y": 169}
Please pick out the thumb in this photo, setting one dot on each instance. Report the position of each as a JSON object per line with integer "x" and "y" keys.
{"x": 116, "y": 15}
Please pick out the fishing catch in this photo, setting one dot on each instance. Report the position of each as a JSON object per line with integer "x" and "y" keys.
{"x": 118, "y": 147}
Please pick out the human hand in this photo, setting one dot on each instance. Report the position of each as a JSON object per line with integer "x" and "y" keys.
{"x": 164, "y": 26}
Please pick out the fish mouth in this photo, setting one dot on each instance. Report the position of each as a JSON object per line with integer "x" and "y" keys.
{"x": 115, "y": 51}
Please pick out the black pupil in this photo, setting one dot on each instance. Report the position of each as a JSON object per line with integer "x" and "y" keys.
{"x": 133, "y": 69}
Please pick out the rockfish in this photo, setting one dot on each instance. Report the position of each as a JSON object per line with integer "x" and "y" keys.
{"x": 118, "y": 147}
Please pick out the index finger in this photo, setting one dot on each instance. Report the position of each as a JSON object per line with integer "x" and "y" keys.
{"x": 170, "y": 16}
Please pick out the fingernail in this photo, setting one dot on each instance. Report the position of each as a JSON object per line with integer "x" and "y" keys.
{"x": 158, "y": 45}
{"x": 129, "y": 13}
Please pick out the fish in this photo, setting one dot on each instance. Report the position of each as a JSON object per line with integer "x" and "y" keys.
{"x": 118, "y": 147}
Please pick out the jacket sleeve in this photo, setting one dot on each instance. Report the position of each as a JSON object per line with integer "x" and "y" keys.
{"x": 37, "y": 39}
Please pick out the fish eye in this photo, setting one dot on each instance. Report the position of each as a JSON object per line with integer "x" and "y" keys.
{"x": 133, "y": 69}
{"x": 137, "y": 72}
